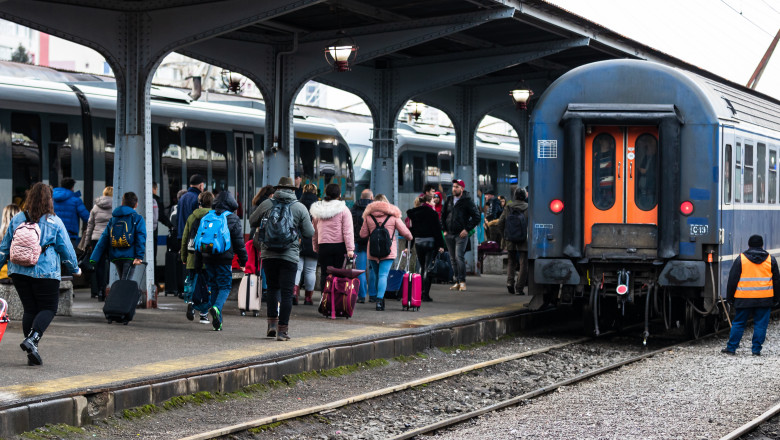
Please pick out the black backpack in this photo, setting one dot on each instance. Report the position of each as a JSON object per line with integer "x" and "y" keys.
{"x": 277, "y": 228}
{"x": 357, "y": 225}
{"x": 516, "y": 225}
{"x": 380, "y": 243}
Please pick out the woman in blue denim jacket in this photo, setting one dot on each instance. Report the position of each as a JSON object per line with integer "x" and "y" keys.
{"x": 38, "y": 286}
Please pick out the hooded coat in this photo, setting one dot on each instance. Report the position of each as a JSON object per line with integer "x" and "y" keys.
{"x": 440, "y": 204}
{"x": 510, "y": 205}
{"x": 300, "y": 216}
{"x": 136, "y": 251}
{"x": 755, "y": 255}
{"x": 186, "y": 256}
{"x": 332, "y": 224}
{"x": 69, "y": 208}
{"x": 226, "y": 202}
{"x": 380, "y": 211}
{"x": 464, "y": 215}
{"x": 99, "y": 217}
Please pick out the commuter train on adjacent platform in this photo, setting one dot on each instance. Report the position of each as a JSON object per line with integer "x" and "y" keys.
{"x": 426, "y": 155}
{"x": 646, "y": 182}
{"x": 66, "y": 127}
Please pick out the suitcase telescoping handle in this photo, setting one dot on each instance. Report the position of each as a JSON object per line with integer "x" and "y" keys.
{"x": 349, "y": 263}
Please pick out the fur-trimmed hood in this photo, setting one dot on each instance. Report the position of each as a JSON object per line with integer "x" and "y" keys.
{"x": 382, "y": 207}
{"x": 329, "y": 209}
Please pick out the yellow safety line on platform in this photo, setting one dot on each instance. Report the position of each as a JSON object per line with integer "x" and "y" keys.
{"x": 96, "y": 380}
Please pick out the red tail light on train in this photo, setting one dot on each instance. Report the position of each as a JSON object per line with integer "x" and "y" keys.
{"x": 686, "y": 208}
{"x": 556, "y": 206}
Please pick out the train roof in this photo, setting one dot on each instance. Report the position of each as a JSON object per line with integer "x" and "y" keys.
{"x": 699, "y": 99}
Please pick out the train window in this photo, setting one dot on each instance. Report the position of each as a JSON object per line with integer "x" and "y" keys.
{"x": 761, "y": 173}
{"x": 401, "y": 174}
{"x": 431, "y": 168}
{"x": 219, "y": 171}
{"x": 327, "y": 168}
{"x": 197, "y": 154}
{"x": 250, "y": 167}
{"x": 772, "y": 176}
{"x": 170, "y": 165}
{"x": 418, "y": 165}
{"x": 738, "y": 174}
{"x": 482, "y": 174}
{"x": 25, "y": 153}
{"x": 109, "y": 155}
{"x": 603, "y": 171}
{"x": 445, "y": 162}
{"x": 646, "y": 189}
{"x": 747, "y": 185}
{"x": 59, "y": 153}
{"x": 307, "y": 157}
{"x": 492, "y": 173}
{"x": 727, "y": 175}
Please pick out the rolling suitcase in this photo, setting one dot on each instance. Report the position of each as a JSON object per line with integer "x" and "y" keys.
{"x": 412, "y": 291}
{"x": 3, "y": 317}
{"x": 171, "y": 273}
{"x": 341, "y": 291}
{"x": 123, "y": 297}
{"x": 249, "y": 293}
{"x": 396, "y": 276}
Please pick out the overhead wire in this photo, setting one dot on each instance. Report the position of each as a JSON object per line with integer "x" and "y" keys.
{"x": 749, "y": 20}
{"x": 770, "y": 6}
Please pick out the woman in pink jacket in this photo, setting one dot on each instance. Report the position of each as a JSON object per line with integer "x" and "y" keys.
{"x": 377, "y": 213}
{"x": 333, "y": 234}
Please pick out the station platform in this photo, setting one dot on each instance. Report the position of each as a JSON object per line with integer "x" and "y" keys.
{"x": 92, "y": 369}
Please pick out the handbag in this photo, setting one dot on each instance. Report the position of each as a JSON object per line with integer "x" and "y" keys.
{"x": 439, "y": 268}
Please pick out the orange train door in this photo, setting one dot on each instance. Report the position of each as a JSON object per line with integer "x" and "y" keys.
{"x": 621, "y": 176}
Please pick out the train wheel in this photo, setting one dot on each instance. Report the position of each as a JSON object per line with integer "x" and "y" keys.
{"x": 695, "y": 324}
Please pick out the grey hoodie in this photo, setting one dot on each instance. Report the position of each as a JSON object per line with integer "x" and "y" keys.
{"x": 99, "y": 217}
{"x": 302, "y": 220}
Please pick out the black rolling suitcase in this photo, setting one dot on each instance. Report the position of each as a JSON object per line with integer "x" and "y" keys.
{"x": 123, "y": 297}
{"x": 172, "y": 270}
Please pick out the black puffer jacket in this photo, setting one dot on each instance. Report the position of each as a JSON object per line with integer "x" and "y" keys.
{"x": 226, "y": 202}
{"x": 459, "y": 216}
{"x": 756, "y": 256}
{"x": 307, "y": 250}
{"x": 425, "y": 224}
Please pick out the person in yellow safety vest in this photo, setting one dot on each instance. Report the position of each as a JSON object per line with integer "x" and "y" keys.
{"x": 753, "y": 289}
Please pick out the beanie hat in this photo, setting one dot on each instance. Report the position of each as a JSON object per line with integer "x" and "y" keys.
{"x": 755, "y": 241}
{"x": 197, "y": 179}
{"x": 460, "y": 182}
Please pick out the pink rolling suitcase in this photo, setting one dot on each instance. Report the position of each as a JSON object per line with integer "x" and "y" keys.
{"x": 3, "y": 317}
{"x": 412, "y": 291}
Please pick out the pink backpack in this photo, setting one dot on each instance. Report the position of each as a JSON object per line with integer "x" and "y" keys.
{"x": 26, "y": 243}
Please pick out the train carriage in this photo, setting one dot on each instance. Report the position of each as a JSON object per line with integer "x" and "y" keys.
{"x": 646, "y": 183}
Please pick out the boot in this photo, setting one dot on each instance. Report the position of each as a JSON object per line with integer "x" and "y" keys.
{"x": 272, "y": 327}
{"x": 282, "y": 334}
{"x": 380, "y": 304}
{"x": 296, "y": 294}
{"x": 264, "y": 296}
{"x": 307, "y": 300}
{"x": 30, "y": 345}
{"x": 426, "y": 297}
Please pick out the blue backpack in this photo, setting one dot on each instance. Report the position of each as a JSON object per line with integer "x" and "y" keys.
{"x": 213, "y": 236}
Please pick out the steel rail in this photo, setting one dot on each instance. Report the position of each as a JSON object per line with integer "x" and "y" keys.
{"x": 753, "y": 424}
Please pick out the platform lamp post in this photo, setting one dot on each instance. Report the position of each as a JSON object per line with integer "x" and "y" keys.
{"x": 520, "y": 96}
{"x": 341, "y": 52}
{"x": 232, "y": 83}
{"x": 415, "y": 110}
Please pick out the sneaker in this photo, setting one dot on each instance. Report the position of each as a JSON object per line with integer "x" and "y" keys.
{"x": 455, "y": 286}
{"x": 372, "y": 299}
{"x": 190, "y": 312}
{"x": 756, "y": 354}
{"x": 462, "y": 287}
{"x": 216, "y": 319}
{"x": 361, "y": 300}
{"x": 728, "y": 352}
{"x": 204, "y": 318}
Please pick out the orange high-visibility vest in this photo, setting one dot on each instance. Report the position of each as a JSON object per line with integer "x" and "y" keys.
{"x": 756, "y": 279}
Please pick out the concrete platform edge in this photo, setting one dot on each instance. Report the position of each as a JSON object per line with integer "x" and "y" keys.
{"x": 85, "y": 407}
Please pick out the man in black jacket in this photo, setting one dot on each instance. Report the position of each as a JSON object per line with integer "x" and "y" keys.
{"x": 361, "y": 255}
{"x": 459, "y": 216}
{"x": 753, "y": 288}
{"x": 218, "y": 267}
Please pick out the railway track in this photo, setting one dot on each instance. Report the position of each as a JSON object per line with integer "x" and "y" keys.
{"x": 744, "y": 431}
{"x": 235, "y": 431}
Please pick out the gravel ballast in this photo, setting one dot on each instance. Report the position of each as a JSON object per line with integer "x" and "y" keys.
{"x": 691, "y": 392}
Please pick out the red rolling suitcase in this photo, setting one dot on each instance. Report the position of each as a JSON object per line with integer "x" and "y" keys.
{"x": 412, "y": 291}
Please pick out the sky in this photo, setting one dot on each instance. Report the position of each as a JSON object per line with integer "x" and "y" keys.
{"x": 726, "y": 37}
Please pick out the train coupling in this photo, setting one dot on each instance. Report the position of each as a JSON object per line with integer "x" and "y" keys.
{"x": 622, "y": 282}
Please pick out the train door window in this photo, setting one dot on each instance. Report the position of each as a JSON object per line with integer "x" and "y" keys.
{"x": 327, "y": 167}
{"x": 108, "y": 155}
{"x": 418, "y": 167}
{"x": 748, "y": 184}
{"x": 59, "y": 153}
{"x": 493, "y": 174}
{"x": 431, "y": 168}
{"x": 25, "y": 153}
{"x": 307, "y": 158}
{"x": 170, "y": 165}
{"x": 727, "y": 175}
{"x": 772, "y": 176}
{"x": 646, "y": 189}
{"x": 197, "y": 154}
{"x": 604, "y": 171}
{"x": 219, "y": 171}
{"x": 401, "y": 174}
{"x": 250, "y": 166}
{"x": 482, "y": 174}
{"x": 761, "y": 169}
{"x": 738, "y": 174}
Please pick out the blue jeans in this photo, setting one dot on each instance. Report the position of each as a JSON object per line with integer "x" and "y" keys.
{"x": 379, "y": 271}
{"x": 457, "y": 249}
{"x": 760, "y": 323}
{"x": 220, "y": 279}
{"x": 361, "y": 258}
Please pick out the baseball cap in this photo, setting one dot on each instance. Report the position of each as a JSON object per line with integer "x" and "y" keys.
{"x": 460, "y": 183}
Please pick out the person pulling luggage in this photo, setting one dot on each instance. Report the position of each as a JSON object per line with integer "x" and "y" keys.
{"x": 124, "y": 237}
{"x": 428, "y": 239}
{"x": 34, "y": 246}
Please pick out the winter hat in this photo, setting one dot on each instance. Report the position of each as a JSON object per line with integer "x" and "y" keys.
{"x": 285, "y": 183}
{"x": 755, "y": 241}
